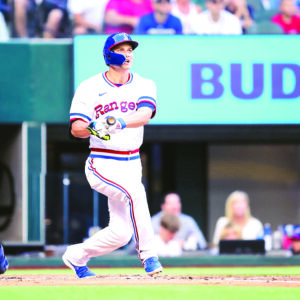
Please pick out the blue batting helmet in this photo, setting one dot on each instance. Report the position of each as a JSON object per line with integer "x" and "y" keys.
{"x": 112, "y": 58}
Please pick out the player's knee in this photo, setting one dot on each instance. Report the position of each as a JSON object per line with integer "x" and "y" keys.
{"x": 123, "y": 235}
{"x": 125, "y": 238}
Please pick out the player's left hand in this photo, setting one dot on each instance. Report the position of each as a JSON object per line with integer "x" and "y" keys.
{"x": 99, "y": 129}
{"x": 117, "y": 126}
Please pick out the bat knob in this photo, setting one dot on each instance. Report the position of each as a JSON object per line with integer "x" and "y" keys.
{"x": 110, "y": 121}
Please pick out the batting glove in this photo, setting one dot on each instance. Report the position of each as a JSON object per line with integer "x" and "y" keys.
{"x": 99, "y": 129}
{"x": 117, "y": 126}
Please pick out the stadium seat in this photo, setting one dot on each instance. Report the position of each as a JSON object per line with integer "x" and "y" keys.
{"x": 265, "y": 15}
{"x": 259, "y": 12}
{"x": 264, "y": 27}
{"x": 200, "y": 2}
{"x": 256, "y": 5}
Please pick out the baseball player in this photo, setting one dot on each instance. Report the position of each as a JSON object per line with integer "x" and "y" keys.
{"x": 111, "y": 109}
{"x": 3, "y": 261}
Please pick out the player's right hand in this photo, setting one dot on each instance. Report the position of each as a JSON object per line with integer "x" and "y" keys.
{"x": 116, "y": 125}
{"x": 99, "y": 129}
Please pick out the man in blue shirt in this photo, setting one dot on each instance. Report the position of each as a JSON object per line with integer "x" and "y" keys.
{"x": 160, "y": 21}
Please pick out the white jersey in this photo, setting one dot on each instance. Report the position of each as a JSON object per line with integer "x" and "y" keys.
{"x": 91, "y": 10}
{"x": 227, "y": 24}
{"x": 97, "y": 98}
{"x": 185, "y": 18}
{"x": 169, "y": 249}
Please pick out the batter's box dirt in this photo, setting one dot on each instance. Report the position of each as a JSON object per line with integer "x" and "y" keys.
{"x": 50, "y": 280}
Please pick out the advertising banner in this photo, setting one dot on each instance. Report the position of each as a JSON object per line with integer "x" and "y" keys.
{"x": 211, "y": 79}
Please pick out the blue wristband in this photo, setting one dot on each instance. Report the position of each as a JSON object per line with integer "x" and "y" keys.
{"x": 123, "y": 124}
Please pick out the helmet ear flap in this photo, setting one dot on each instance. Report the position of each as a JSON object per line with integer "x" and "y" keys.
{"x": 112, "y": 58}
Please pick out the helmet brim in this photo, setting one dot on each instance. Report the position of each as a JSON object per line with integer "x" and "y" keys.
{"x": 133, "y": 44}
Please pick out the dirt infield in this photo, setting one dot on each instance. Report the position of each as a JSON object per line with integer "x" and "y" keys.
{"x": 51, "y": 280}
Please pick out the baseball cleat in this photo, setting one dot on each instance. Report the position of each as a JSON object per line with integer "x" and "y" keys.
{"x": 3, "y": 261}
{"x": 81, "y": 271}
{"x": 152, "y": 266}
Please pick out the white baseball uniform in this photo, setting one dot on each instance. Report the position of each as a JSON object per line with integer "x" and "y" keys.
{"x": 114, "y": 167}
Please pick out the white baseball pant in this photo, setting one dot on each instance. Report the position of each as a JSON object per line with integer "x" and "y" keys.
{"x": 129, "y": 214}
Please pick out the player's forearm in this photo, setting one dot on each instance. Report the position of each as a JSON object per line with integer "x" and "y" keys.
{"x": 80, "y": 21}
{"x": 79, "y": 129}
{"x": 20, "y": 16}
{"x": 140, "y": 118}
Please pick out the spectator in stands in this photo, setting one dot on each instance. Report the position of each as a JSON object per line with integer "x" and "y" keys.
{"x": 4, "y": 35}
{"x": 160, "y": 21}
{"x": 55, "y": 18}
{"x": 216, "y": 20}
{"x": 240, "y": 9}
{"x": 231, "y": 231}
{"x": 296, "y": 246}
{"x": 189, "y": 232}
{"x": 297, "y": 3}
{"x": 287, "y": 18}
{"x": 123, "y": 15}
{"x": 87, "y": 15}
{"x": 275, "y": 5}
{"x": 185, "y": 10}
{"x": 41, "y": 18}
{"x": 165, "y": 241}
{"x": 237, "y": 211}
{"x": 291, "y": 238}
{"x": 21, "y": 8}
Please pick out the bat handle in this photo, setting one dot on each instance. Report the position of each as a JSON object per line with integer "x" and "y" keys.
{"x": 110, "y": 120}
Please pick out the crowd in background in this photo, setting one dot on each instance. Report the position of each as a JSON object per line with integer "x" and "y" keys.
{"x": 176, "y": 232}
{"x": 67, "y": 18}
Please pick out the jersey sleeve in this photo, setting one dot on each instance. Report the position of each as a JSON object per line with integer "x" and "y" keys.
{"x": 80, "y": 108}
{"x": 148, "y": 99}
{"x": 75, "y": 7}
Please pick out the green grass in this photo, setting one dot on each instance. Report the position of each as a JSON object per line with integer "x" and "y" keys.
{"x": 157, "y": 292}
{"x": 149, "y": 292}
